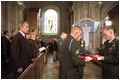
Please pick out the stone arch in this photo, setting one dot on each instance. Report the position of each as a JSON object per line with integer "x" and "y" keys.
{"x": 108, "y": 8}
{"x": 84, "y": 19}
{"x": 44, "y": 9}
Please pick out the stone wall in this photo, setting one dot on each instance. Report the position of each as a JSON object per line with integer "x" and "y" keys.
{"x": 11, "y": 14}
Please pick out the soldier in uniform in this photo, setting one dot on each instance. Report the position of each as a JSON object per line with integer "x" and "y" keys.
{"x": 70, "y": 59}
{"x": 60, "y": 41}
{"x": 80, "y": 70}
{"x": 110, "y": 55}
{"x": 81, "y": 45}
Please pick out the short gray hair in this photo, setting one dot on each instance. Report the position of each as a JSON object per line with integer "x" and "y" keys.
{"x": 22, "y": 23}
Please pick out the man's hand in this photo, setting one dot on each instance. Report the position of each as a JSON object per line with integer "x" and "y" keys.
{"x": 19, "y": 70}
{"x": 101, "y": 57}
{"x": 87, "y": 60}
{"x": 97, "y": 56}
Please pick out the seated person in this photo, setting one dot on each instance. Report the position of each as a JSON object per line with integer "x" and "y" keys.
{"x": 33, "y": 46}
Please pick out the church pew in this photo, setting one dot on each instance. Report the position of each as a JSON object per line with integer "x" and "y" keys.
{"x": 6, "y": 68}
{"x": 35, "y": 69}
{"x": 46, "y": 53}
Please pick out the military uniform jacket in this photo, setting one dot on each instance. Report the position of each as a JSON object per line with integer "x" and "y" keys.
{"x": 110, "y": 51}
{"x": 59, "y": 54}
{"x": 70, "y": 58}
{"x": 81, "y": 45}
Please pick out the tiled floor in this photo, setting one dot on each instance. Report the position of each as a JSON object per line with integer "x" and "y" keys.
{"x": 91, "y": 70}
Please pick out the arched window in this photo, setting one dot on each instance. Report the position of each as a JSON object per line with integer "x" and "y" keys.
{"x": 50, "y": 21}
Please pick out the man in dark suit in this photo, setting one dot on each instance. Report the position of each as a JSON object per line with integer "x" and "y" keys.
{"x": 20, "y": 50}
{"x": 14, "y": 32}
{"x": 6, "y": 45}
{"x": 110, "y": 55}
{"x": 70, "y": 59}
{"x": 59, "y": 53}
{"x": 55, "y": 48}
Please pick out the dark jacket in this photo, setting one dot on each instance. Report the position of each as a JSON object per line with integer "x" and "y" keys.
{"x": 33, "y": 48}
{"x": 37, "y": 42}
{"x": 6, "y": 47}
{"x": 59, "y": 42}
{"x": 20, "y": 52}
{"x": 70, "y": 58}
{"x": 11, "y": 37}
{"x": 110, "y": 51}
{"x": 55, "y": 46}
{"x": 81, "y": 45}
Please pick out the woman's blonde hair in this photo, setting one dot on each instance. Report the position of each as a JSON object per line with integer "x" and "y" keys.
{"x": 31, "y": 34}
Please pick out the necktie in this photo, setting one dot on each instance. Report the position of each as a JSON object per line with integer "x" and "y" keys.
{"x": 25, "y": 38}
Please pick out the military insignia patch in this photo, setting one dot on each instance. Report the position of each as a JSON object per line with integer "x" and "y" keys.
{"x": 77, "y": 52}
{"x": 81, "y": 45}
{"x": 60, "y": 43}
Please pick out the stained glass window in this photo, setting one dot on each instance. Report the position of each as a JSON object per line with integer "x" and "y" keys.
{"x": 106, "y": 23}
{"x": 50, "y": 21}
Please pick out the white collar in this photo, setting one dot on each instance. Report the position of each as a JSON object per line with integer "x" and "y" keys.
{"x": 22, "y": 33}
{"x": 111, "y": 40}
{"x": 6, "y": 36}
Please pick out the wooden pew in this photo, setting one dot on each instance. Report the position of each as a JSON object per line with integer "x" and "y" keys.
{"x": 46, "y": 53}
{"x": 6, "y": 68}
{"x": 35, "y": 69}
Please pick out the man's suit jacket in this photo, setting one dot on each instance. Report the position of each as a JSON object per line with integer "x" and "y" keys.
{"x": 6, "y": 47}
{"x": 20, "y": 52}
{"x": 110, "y": 51}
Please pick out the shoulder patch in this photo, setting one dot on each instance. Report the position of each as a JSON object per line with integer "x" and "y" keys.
{"x": 77, "y": 52}
{"x": 60, "y": 43}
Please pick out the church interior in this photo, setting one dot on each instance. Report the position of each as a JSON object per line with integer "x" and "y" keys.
{"x": 51, "y": 18}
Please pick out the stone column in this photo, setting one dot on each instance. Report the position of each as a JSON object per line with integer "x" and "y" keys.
{"x": 93, "y": 5}
{"x": 20, "y": 9}
{"x": 99, "y": 27}
{"x": 76, "y": 13}
{"x": 80, "y": 9}
{"x": 86, "y": 9}
{"x": 7, "y": 16}
{"x": 20, "y": 12}
{"x": 14, "y": 15}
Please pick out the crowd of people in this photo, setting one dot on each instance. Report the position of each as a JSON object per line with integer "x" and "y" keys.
{"x": 24, "y": 48}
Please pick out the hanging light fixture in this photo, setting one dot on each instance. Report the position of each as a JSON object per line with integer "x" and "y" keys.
{"x": 20, "y": 2}
{"x": 100, "y": 2}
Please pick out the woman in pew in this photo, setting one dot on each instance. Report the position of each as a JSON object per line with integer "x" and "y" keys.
{"x": 33, "y": 46}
